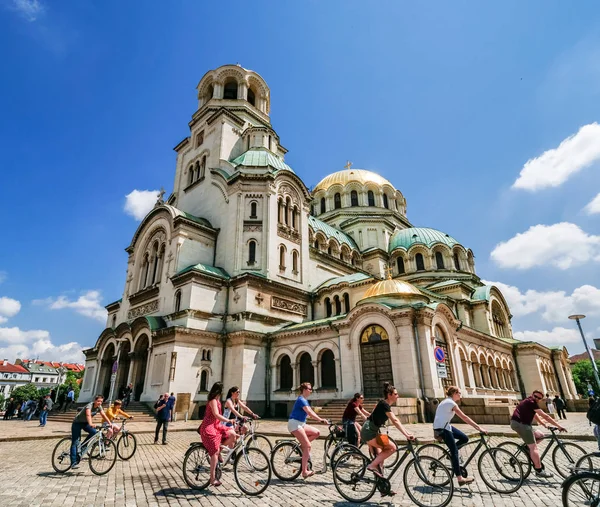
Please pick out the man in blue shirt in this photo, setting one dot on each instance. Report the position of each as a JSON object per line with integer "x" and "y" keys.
{"x": 163, "y": 406}
{"x": 70, "y": 399}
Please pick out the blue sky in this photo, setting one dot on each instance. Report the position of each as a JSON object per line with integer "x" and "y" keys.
{"x": 448, "y": 100}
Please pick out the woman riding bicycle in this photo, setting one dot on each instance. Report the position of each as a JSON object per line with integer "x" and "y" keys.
{"x": 371, "y": 429}
{"x": 297, "y": 425}
{"x": 232, "y": 409}
{"x": 111, "y": 413}
{"x": 352, "y": 428}
{"x": 211, "y": 431}
{"x": 453, "y": 437}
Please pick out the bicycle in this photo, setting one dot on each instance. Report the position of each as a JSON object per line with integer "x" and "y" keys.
{"x": 494, "y": 464}
{"x": 101, "y": 451}
{"x": 581, "y": 488}
{"x": 564, "y": 456}
{"x": 126, "y": 443}
{"x": 251, "y": 468}
{"x": 254, "y": 439}
{"x": 424, "y": 478}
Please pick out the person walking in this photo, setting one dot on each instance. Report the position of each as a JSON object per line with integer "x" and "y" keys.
{"x": 560, "y": 405}
{"x": 172, "y": 400}
{"x": 10, "y": 409}
{"x": 70, "y": 399}
{"x": 47, "y": 406}
{"x": 163, "y": 416}
{"x": 128, "y": 391}
{"x": 351, "y": 427}
{"x": 212, "y": 432}
{"x": 550, "y": 405}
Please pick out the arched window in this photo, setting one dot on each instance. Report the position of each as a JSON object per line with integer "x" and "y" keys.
{"x": 155, "y": 260}
{"x": 346, "y": 302}
{"x": 307, "y": 372}
{"x": 500, "y": 328}
{"x": 327, "y": 307}
{"x": 280, "y": 211}
{"x": 371, "y": 198}
{"x": 329, "y": 250}
{"x": 177, "y": 301}
{"x": 286, "y": 211}
{"x": 400, "y": 263}
{"x": 191, "y": 175}
{"x": 322, "y": 204}
{"x": 202, "y": 167}
{"x": 295, "y": 262}
{"x": 199, "y": 138}
{"x": 252, "y": 210}
{"x": 203, "y": 355}
{"x": 294, "y": 217}
{"x": 328, "y": 370}
{"x": 354, "y": 198}
{"x": 269, "y": 142}
{"x": 420, "y": 262}
{"x": 286, "y": 375}
{"x": 338, "y": 305}
{"x": 456, "y": 261}
{"x": 197, "y": 171}
{"x": 439, "y": 260}
{"x": 251, "y": 252}
{"x": 282, "y": 257}
{"x": 144, "y": 273}
{"x": 251, "y": 97}
{"x": 316, "y": 245}
{"x": 230, "y": 91}
{"x": 114, "y": 321}
{"x": 204, "y": 381}
{"x": 337, "y": 201}
{"x": 385, "y": 201}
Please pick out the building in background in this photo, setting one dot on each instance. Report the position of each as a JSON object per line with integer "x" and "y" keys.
{"x": 11, "y": 377}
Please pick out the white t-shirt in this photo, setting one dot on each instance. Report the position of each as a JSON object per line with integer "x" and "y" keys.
{"x": 444, "y": 414}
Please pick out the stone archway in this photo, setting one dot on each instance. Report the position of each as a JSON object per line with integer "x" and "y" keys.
{"x": 140, "y": 363}
{"x": 123, "y": 369}
{"x": 376, "y": 360}
{"x": 108, "y": 358}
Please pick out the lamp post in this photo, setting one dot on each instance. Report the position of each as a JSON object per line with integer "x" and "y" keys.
{"x": 577, "y": 318}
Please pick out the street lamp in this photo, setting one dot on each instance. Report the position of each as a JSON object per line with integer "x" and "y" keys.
{"x": 577, "y": 318}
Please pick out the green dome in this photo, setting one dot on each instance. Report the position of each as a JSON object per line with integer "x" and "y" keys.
{"x": 406, "y": 238}
{"x": 261, "y": 157}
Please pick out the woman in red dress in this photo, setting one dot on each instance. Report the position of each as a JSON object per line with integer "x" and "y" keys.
{"x": 212, "y": 432}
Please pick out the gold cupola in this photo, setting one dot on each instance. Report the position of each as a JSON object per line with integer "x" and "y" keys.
{"x": 393, "y": 290}
{"x": 361, "y": 176}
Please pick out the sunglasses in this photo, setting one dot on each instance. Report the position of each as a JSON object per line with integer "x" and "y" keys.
{"x": 538, "y": 398}
{"x": 310, "y": 389}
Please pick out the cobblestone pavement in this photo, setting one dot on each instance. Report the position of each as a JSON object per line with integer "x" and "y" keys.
{"x": 153, "y": 478}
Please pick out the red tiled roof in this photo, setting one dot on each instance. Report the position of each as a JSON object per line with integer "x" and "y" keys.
{"x": 56, "y": 364}
{"x": 585, "y": 357}
{"x": 11, "y": 368}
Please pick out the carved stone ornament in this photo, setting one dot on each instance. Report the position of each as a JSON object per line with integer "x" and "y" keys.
{"x": 259, "y": 298}
{"x": 236, "y": 296}
{"x": 288, "y": 306}
{"x": 252, "y": 227}
{"x": 140, "y": 311}
{"x": 287, "y": 233}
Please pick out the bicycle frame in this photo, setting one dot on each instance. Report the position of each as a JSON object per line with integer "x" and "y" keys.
{"x": 482, "y": 442}
{"x": 553, "y": 440}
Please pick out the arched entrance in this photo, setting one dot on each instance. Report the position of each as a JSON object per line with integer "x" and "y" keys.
{"x": 140, "y": 354}
{"x": 122, "y": 369}
{"x": 376, "y": 360}
{"x": 108, "y": 358}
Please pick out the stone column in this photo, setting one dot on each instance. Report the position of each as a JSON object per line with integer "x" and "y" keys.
{"x": 242, "y": 91}
{"x": 148, "y": 375}
{"x": 295, "y": 368}
{"x": 132, "y": 366}
{"x": 472, "y": 382}
{"x": 316, "y": 367}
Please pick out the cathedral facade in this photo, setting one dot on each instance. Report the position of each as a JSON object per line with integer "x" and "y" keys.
{"x": 244, "y": 275}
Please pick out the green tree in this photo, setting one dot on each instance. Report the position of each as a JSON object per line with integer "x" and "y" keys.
{"x": 71, "y": 381}
{"x": 582, "y": 374}
{"x": 26, "y": 392}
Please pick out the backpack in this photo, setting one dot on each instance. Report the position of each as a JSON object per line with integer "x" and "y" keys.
{"x": 593, "y": 414}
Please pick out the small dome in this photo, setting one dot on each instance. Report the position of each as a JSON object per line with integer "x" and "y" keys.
{"x": 405, "y": 238}
{"x": 260, "y": 157}
{"x": 346, "y": 176}
{"x": 392, "y": 288}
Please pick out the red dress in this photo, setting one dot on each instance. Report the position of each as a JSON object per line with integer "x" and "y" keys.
{"x": 212, "y": 431}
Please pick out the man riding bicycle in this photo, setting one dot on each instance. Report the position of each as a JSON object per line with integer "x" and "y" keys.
{"x": 526, "y": 412}
{"x": 83, "y": 421}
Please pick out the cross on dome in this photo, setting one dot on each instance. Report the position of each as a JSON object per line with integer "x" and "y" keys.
{"x": 348, "y": 165}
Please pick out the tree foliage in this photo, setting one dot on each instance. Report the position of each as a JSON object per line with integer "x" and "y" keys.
{"x": 26, "y": 392}
{"x": 583, "y": 374}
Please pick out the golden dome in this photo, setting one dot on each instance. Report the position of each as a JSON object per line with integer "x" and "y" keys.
{"x": 392, "y": 287}
{"x": 346, "y": 176}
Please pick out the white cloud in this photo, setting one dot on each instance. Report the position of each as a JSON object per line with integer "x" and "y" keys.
{"x": 8, "y": 308}
{"x": 593, "y": 207}
{"x": 28, "y": 9}
{"x": 555, "y": 306}
{"x": 558, "y": 336}
{"x": 87, "y": 304}
{"x": 3, "y": 276}
{"x": 36, "y": 343}
{"x": 561, "y": 245}
{"x": 16, "y": 336}
{"x": 553, "y": 167}
{"x": 139, "y": 202}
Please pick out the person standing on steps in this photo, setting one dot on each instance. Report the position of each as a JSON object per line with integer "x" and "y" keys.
{"x": 521, "y": 422}
{"x": 453, "y": 437}
{"x": 560, "y": 405}
{"x": 163, "y": 416}
{"x": 70, "y": 399}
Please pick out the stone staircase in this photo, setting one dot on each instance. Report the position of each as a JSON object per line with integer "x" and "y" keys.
{"x": 139, "y": 410}
{"x": 335, "y": 409}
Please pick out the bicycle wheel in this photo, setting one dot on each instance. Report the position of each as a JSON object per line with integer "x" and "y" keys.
{"x": 351, "y": 478}
{"x": 61, "y": 459}
{"x": 428, "y": 482}
{"x": 520, "y": 454}
{"x": 500, "y": 470}
{"x": 581, "y": 489}
{"x": 590, "y": 462}
{"x": 565, "y": 456}
{"x": 286, "y": 461}
{"x": 331, "y": 443}
{"x": 259, "y": 442}
{"x": 252, "y": 471}
{"x": 196, "y": 467}
{"x": 341, "y": 449}
{"x": 103, "y": 457}
{"x": 126, "y": 446}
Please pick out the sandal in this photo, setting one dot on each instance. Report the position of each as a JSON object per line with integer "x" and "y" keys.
{"x": 216, "y": 484}
{"x": 377, "y": 472}
{"x": 309, "y": 474}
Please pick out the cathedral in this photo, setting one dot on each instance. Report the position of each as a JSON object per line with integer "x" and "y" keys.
{"x": 245, "y": 275}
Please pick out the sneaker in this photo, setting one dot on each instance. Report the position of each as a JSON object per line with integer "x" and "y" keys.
{"x": 74, "y": 466}
{"x": 164, "y": 443}
{"x": 543, "y": 474}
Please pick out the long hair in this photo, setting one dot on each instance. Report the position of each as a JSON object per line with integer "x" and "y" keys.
{"x": 215, "y": 391}
{"x": 356, "y": 397}
{"x": 231, "y": 391}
